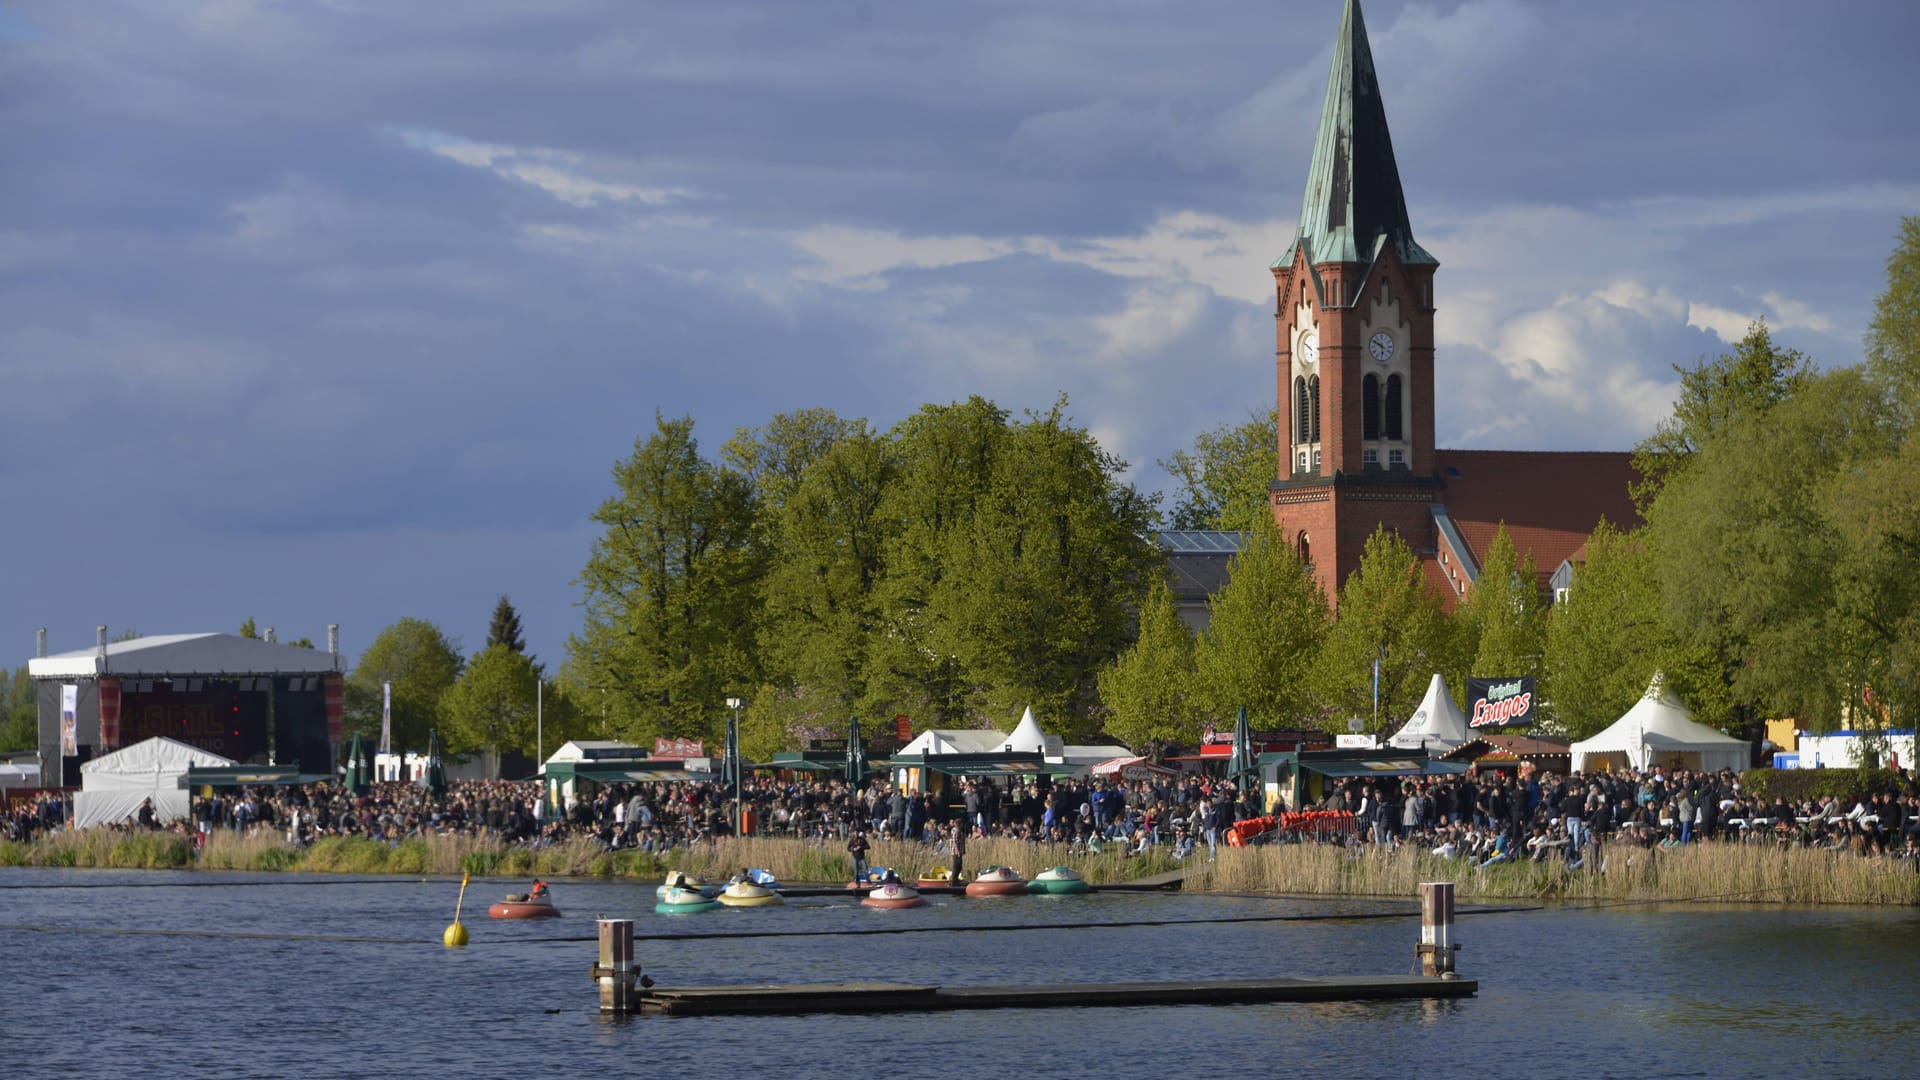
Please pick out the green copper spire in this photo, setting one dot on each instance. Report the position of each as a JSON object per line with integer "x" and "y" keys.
{"x": 1353, "y": 197}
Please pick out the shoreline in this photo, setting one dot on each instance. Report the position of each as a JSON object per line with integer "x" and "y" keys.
{"x": 1627, "y": 873}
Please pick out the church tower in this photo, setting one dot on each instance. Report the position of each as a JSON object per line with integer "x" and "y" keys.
{"x": 1354, "y": 312}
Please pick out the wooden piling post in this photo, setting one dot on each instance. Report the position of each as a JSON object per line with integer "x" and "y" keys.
{"x": 616, "y": 972}
{"x": 1436, "y": 946}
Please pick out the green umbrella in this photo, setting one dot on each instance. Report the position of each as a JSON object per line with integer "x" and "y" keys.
{"x": 359, "y": 773}
{"x": 856, "y": 753}
{"x": 435, "y": 778}
{"x": 1243, "y": 768}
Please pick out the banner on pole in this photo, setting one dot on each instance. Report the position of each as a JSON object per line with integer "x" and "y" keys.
{"x": 70, "y": 720}
{"x": 903, "y": 728}
{"x": 386, "y": 718}
{"x": 1500, "y": 703}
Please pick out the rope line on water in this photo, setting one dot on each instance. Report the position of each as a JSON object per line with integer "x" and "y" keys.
{"x": 227, "y": 884}
{"x": 740, "y": 934}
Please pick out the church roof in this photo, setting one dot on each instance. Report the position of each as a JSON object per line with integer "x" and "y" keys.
{"x": 1549, "y": 501}
{"x": 1354, "y": 205}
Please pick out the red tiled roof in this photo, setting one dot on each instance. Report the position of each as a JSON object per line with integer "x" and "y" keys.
{"x": 1549, "y": 500}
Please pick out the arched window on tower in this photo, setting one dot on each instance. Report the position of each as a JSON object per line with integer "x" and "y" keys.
{"x": 1306, "y": 550}
{"x": 1393, "y": 424}
{"x": 1370, "y": 407}
{"x": 1300, "y": 409}
{"x": 1313, "y": 408}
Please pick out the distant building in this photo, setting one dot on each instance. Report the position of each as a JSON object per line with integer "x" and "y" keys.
{"x": 1196, "y": 568}
{"x": 1355, "y": 306}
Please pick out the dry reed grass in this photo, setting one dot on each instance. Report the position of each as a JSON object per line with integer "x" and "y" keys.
{"x": 1625, "y": 873}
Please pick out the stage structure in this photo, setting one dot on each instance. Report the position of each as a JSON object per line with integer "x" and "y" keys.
{"x": 251, "y": 700}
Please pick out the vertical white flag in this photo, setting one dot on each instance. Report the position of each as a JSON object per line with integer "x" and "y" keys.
{"x": 386, "y": 718}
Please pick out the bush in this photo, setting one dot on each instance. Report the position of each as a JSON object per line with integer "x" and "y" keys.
{"x": 1795, "y": 785}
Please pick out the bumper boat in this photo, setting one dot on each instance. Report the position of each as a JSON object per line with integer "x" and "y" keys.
{"x": 997, "y": 881}
{"x": 747, "y": 894}
{"x": 873, "y": 879}
{"x": 522, "y": 906}
{"x": 684, "y": 901}
{"x": 893, "y": 895}
{"x": 677, "y": 880}
{"x": 1058, "y": 881}
{"x": 939, "y": 878}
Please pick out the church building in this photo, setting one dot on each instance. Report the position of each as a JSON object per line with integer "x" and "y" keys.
{"x": 1355, "y": 302}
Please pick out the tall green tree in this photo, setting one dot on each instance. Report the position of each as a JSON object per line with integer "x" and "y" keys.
{"x": 1039, "y": 582}
{"x": 1147, "y": 691}
{"x": 1607, "y": 638}
{"x": 820, "y": 609}
{"x": 1386, "y": 615}
{"x": 491, "y": 707}
{"x": 1504, "y": 618}
{"x": 944, "y": 463}
{"x": 1748, "y": 558}
{"x": 1264, "y": 630}
{"x": 1225, "y": 476}
{"x": 669, "y": 590}
{"x": 1716, "y": 397}
{"x": 1893, "y": 338}
{"x": 422, "y": 663}
{"x": 505, "y": 630}
{"x": 19, "y": 712}
{"x": 774, "y": 458}
{"x": 248, "y": 630}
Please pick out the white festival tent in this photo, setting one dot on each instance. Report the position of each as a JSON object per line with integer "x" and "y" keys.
{"x": 1658, "y": 731}
{"x": 111, "y": 786}
{"x": 1437, "y": 725}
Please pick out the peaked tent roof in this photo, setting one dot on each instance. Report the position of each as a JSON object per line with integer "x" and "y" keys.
{"x": 188, "y": 654}
{"x": 938, "y": 741}
{"x": 1353, "y": 202}
{"x": 156, "y": 755}
{"x": 1658, "y": 723}
{"x": 1026, "y": 738}
{"x": 1437, "y": 722}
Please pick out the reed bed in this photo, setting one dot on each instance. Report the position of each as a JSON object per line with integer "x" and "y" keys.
{"x": 1620, "y": 873}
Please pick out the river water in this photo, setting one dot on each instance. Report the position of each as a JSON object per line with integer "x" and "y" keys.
{"x": 1641, "y": 992}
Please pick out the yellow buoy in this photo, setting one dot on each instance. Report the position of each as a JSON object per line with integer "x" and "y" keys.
{"x": 455, "y": 936}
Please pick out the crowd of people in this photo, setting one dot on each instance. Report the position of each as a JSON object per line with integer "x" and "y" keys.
{"x": 1494, "y": 817}
{"x": 1487, "y": 818}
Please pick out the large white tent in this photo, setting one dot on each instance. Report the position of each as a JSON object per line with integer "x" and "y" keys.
{"x": 1437, "y": 725}
{"x": 112, "y": 786}
{"x": 1658, "y": 730}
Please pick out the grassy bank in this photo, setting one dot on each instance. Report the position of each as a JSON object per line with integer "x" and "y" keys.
{"x": 790, "y": 860}
{"x": 1697, "y": 872}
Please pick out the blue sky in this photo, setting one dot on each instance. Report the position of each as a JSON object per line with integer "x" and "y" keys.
{"x": 342, "y": 310}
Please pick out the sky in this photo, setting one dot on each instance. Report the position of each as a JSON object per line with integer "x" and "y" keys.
{"x": 342, "y": 311}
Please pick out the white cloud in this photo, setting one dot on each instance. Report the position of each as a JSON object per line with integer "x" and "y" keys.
{"x": 560, "y": 173}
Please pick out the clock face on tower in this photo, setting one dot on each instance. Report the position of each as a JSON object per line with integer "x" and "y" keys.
{"x": 1310, "y": 347}
{"x": 1381, "y": 347}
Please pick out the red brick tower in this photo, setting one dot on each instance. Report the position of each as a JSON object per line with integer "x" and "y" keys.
{"x": 1354, "y": 310}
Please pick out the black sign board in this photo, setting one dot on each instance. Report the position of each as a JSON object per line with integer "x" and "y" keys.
{"x": 1498, "y": 704}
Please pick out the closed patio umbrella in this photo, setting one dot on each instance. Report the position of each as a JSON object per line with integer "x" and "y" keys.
{"x": 856, "y": 753}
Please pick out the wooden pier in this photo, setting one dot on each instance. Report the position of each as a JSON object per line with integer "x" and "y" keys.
{"x": 903, "y": 997}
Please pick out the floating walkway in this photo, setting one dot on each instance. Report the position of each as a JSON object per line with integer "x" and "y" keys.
{"x": 899, "y": 997}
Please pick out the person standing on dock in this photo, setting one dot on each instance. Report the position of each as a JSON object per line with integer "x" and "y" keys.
{"x": 959, "y": 852}
{"x": 857, "y": 847}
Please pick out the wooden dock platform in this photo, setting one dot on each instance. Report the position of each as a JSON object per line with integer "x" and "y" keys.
{"x": 901, "y": 997}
